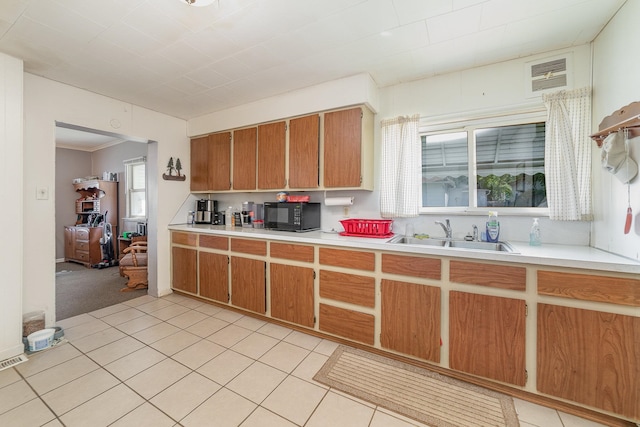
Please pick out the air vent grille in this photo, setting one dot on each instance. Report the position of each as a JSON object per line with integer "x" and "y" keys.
{"x": 13, "y": 361}
{"x": 552, "y": 73}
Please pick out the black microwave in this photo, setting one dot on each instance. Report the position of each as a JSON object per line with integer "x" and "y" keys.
{"x": 290, "y": 216}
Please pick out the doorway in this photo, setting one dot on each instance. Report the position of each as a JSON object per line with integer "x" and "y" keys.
{"x": 83, "y": 155}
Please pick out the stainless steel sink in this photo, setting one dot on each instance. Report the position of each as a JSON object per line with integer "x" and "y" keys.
{"x": 416, "y": 241}
{"x": 484, "y": 246}
{"x": 460, "y": 244}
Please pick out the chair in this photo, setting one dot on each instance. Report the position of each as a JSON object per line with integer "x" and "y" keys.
{"x": 133, "y": 265}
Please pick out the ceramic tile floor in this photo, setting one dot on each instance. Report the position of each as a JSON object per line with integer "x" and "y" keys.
{"x": 174, "y": 361}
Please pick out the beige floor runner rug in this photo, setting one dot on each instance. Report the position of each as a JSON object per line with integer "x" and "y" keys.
{"x": 417, "y": 393}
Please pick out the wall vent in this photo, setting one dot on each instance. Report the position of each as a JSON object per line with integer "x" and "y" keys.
{"x": 13, "y": 361}
{"x": 548, "y": 74}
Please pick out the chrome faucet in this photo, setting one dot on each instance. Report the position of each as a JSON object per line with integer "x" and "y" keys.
{"x": 446, "y": 226}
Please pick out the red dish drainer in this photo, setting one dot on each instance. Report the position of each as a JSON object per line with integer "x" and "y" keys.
{"x": 380, "y": 228}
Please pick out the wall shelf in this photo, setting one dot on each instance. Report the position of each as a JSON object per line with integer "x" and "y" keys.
{"x": 627, "y": 117}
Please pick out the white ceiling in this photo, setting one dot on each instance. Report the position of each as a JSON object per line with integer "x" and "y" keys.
{"x": 188, "y": 61}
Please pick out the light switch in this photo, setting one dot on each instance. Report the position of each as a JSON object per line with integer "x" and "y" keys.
{"x": 42, "y": 193}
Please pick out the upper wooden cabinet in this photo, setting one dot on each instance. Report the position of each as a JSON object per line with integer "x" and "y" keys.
{"x": 304, "y": 152}
{"x": 348, "y": 149}
{"x": 272, "y": 140}
{"x": 211, "y": 162}
{"x": 266, "y": 158}
{"x": 244, "y": 158}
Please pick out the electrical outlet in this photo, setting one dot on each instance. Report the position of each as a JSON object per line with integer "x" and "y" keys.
{"x": 346, "y": 211}
{"x": 42, "y": 193}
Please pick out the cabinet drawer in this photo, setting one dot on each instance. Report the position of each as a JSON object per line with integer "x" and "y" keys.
{"x": 347, "y": 323}
{"x": 248, "y": 246}
{"x": 82, "y": 245}
{"x": 429, "y": 268}
{"x": 349, "y": 288}
{"x": 492, "y": 275}
{"x": 349, "y": 259}
{"x": 293, "y": 252}
{"x": 188, "y": 239}
{"x": 615, "y": 290}
{"x": 82, "y": 256}
{"x": 82, "y": 233}
{"x": 214, "y": 242}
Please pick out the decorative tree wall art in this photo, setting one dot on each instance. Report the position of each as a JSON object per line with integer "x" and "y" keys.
{"x": 174, "y": 172}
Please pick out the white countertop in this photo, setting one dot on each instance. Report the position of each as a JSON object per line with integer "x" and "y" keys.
{"x": 550, "y": 255}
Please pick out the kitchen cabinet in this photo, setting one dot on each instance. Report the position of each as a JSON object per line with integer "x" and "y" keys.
{"x": 410, "y": 319}
{"x": 487, "y": 336}
{"x": 248, "y": 284}
{"x": 348, "y": 149}
{"x": 292, "y": 286}
{"x": 326, "y": 150}
{"x": 211, "y": 162}
{"x": 271, "y": 156}
{"x": 82, "y": 245}
{"x": 304, "y": 146}
{"x": 355, "y": 321}
{"x": 245, "y": 158}
{"x": 184, "y": 271}
{"x": 585, "y": 352}
{"x": 590, "y": 357}
{"x": 292, "y": 293}
{"x": 213, "y": 270}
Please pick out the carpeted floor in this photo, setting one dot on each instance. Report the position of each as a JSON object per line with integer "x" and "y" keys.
{"x": 417, "y": 393}
{"x": 82, "y": 290}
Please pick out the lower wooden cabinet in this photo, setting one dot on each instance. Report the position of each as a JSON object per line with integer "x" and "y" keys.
{"x": 487, "y": 336}
{"x": 410, "y": 319}
{"x": 82, "y": 245}
{"x": 184, "y": 271}
{"x": 213, "y": 270}
{"x": 590, "y": 357}
{"x": 292, "y": 293}
{"x": 248, "y": 284}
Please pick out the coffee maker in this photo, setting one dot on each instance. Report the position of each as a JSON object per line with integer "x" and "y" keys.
{"x": 205, "y": 209}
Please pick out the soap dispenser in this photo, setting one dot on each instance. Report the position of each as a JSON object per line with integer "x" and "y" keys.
{"x": 534, "y": 234}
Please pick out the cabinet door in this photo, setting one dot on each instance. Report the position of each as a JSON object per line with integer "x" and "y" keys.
{"x": 244, "y": 159}
{"x": 343, "y": 148}
{"x": 292, "y": 294}
{"x": 211, "y": 162}
{"x": 200, "y": 162}
{"x": 184, "y": 271}
{"x": 410, "y": 321}
{"x": 304, "y": 142}
{"x": 214, "y": 276}
{"x": 220, "y": 168}
{"x": 271, "y": 154}
{"x": 590, "y": 357}
{"x": 248, "y": 285}
{"x": 487, "y": 336}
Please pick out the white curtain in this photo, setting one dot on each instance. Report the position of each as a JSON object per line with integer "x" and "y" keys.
{"x": 401, "y": 166}
{"x": 568, "y": 154}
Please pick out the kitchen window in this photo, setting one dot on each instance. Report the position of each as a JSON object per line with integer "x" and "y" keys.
{"x": 503, "y": 164}
{"x": 136, "y": 187}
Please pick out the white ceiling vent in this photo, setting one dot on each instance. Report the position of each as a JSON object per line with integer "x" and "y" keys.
{"x": 547, "y": 75}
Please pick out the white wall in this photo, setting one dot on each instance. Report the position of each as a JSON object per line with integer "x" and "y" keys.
{"x": 616, "y": 84}
{"x": 461, "y": 94}
{"x": 11, "y": 215}
{"x": 46, "y": 102}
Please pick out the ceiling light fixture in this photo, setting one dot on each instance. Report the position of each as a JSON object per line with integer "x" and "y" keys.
{"x": 198, "y": 3}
